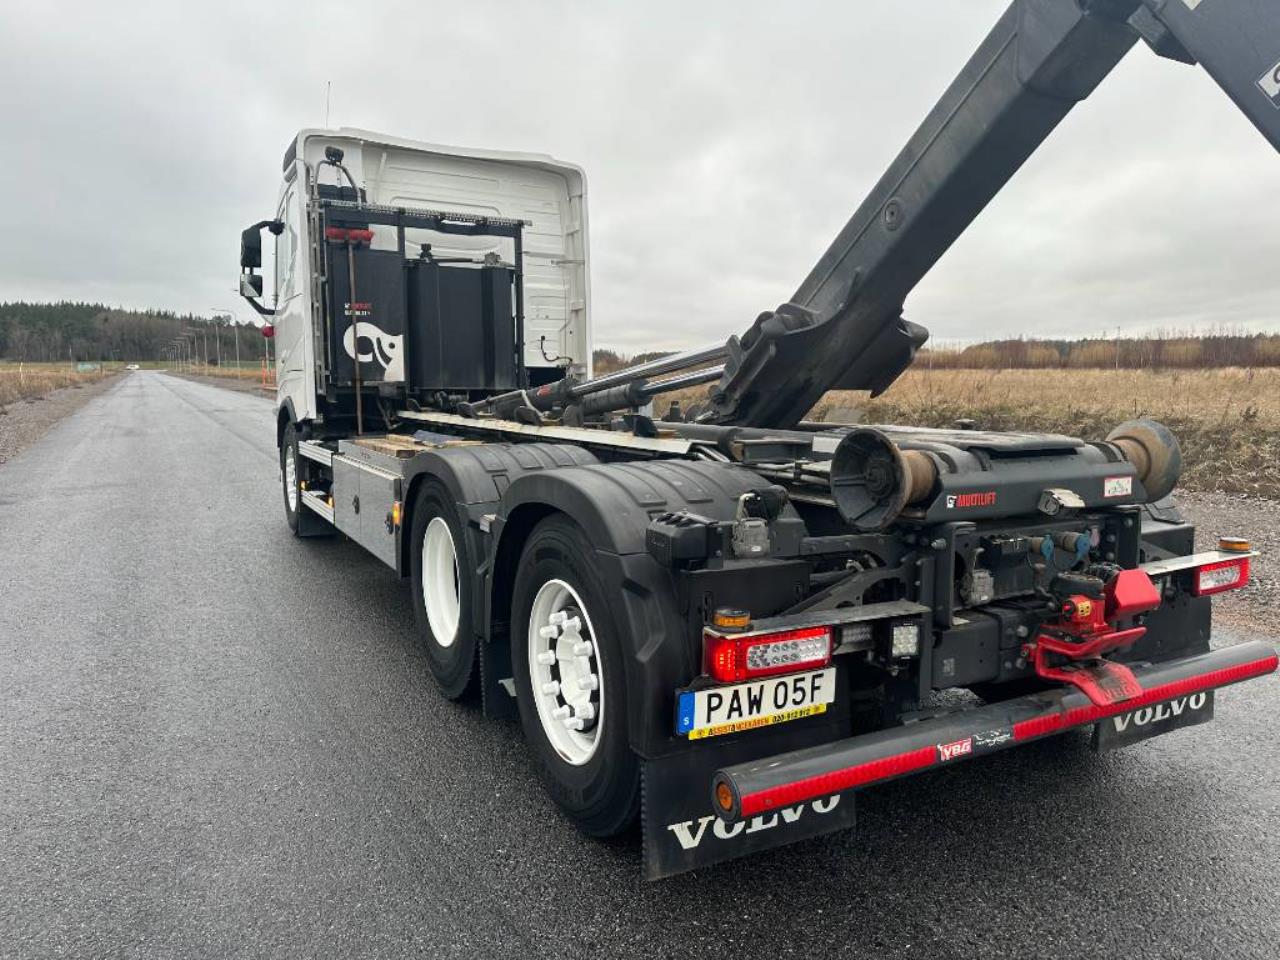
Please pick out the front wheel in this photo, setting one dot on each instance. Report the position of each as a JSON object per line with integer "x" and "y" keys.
{"x": 442, "y": 570}
{"x": 290, "y": 476}
{"x": 568, "y": 664}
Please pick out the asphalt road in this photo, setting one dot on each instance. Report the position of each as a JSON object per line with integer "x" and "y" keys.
{"x": 218, "y": 741}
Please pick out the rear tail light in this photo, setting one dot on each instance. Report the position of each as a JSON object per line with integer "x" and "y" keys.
{"x": 1219, "y": 576}
{"x": 733, "y": 657}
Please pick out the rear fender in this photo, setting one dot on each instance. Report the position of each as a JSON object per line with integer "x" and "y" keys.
{"x": 613, "y": 504}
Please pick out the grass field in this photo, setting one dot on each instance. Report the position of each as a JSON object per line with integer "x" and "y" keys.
{"x": 1227, "y": 420}
{"x": 248, "y": 373}
{"x": 27, "y": 381}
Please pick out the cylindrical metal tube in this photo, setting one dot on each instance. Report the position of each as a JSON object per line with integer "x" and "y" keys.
{"x": 654, "y": 368}
{"x": 1154, "y": 452}
{"x": 684, "y": 380}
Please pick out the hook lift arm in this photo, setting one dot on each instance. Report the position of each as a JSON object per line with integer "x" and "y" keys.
{"x": 843, "y": 328}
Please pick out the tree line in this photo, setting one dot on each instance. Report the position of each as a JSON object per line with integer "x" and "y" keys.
{"x": 1132, "y": 353}
{"x": 72, "y": 331}
{"x": 1137, "y": 353}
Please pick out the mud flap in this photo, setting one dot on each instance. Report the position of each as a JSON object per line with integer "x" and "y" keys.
{"x": 1146, "y": 722}
{"x": 311, "y": 524}
{"x": 682, "y": 833}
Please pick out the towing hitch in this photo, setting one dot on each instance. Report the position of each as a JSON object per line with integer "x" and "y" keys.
{"x": 1085, "y": 634}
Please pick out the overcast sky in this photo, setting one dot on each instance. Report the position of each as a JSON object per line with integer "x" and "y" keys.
{"x": 725, "y": 144}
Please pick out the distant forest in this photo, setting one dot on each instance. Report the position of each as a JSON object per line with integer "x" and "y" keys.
{"x": 1130, "y": 353}
{"x": 47, "y": 332}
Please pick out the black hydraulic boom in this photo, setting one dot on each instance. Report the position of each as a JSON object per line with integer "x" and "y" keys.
{"x": 843, "y": 328}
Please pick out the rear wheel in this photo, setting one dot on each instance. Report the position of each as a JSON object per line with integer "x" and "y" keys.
{"x": 441, "y": 571}
{"x": 290, "y": 476}
{"x": 568, "y": 664}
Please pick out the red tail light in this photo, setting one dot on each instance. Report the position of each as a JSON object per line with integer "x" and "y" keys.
{"x": 730, "y": 658}
{"x": 1219, "y": 576}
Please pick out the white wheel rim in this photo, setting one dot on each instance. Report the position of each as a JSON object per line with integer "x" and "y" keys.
{"x": 440, "y": 581}
{"x": 290, "y": 480}
{"x": 565, "y": 672}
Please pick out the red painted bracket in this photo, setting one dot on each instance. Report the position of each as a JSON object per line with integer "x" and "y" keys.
{"x": 1102, "y": 681}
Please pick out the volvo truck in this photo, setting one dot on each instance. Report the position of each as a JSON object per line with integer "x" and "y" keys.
{"x": 726, "y": 622}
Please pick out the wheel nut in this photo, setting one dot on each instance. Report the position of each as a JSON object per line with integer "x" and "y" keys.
{"x": 546, "y": 658}
{"x": 588, "y": 682}
{"x": 552, "y": 687}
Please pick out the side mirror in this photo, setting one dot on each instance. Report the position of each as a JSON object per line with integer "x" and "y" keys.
{"x": 251, "y": 260}
{"x": 251, "y": 242}
{"x": 251, "y": 248}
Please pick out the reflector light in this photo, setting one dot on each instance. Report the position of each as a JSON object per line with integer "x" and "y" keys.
{"x": 1219, "y": 576}
{"x": 731, "y": 658}
{"x": 724, "y": 796}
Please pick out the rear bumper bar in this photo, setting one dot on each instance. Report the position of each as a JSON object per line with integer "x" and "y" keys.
{"x": 791, "y": 778}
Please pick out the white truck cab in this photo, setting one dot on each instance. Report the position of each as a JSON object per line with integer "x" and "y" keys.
{"x": 547, "y": 197}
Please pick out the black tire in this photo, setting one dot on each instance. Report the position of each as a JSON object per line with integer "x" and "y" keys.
{"x": 452, "y": 659}
{"x": 289, "y": 448}
{"x": 602, "y": 795}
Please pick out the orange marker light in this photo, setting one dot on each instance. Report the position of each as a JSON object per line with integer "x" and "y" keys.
{"x": 724, "y": 796}
{"x": 730, "y": 618}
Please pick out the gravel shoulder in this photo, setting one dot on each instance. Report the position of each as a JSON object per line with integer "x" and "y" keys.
{"x": 25, "y": 422}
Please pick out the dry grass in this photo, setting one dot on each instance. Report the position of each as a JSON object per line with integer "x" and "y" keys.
{"x": 1228, "y": 420}
{"x": 27, "y": 381}
{"x": 248, "y": 374}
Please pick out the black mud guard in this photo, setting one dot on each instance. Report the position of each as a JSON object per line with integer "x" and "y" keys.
{"x": 681, "y": 830}
{"x": 613, "y": 503}
{"x": 476, "y": 477}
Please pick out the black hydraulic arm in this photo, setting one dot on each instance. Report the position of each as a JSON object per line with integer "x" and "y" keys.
{"x": 843, "y": 328}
